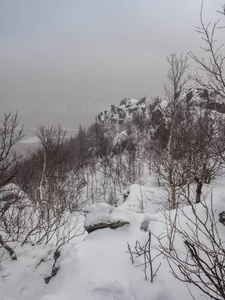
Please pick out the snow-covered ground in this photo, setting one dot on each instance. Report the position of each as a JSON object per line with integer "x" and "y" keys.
{"x": 98, "y": 265}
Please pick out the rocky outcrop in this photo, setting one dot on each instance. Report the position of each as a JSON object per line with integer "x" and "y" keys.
{"x": 204, "y": 98}
{"x": 126, "y": 109}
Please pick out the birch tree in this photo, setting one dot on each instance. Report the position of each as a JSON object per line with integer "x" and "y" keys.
{"x": 177, "y": 79}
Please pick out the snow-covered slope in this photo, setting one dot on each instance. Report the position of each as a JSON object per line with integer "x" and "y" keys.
{"x": 98, "y": 265}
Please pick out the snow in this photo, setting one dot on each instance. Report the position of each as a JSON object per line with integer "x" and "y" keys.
{"x": 164, "y": 104}
{"x": 10, "y": 189}
{"x": 99, "y": 268}
{"x": 105, "y": 213}
{"x": 98, "y": 265}
{"x": 122, "y": 136}
{"x": 144, "y": 199}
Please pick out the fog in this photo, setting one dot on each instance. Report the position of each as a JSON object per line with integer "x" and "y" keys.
{"x": 62, "y": 62}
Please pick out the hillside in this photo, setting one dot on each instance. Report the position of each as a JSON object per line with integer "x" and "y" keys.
{"x": 98, "y": 265}
{"x": 91, "y": 216}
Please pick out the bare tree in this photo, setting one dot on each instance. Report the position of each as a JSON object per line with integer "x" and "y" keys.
{"x": 10, "y": 134}
{"x": 51, "y": 146}
{"x": 210, "y": 71}
{"x": 223, "y": 10}
{"x": 201, "y": 261}
{"x": 177, "y": 80}
{"x": 145, "y": 251}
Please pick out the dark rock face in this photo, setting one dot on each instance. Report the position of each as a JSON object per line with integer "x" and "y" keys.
{"x": 222, "y": 217}
{"x": 213, "y": 105}
{"x": 100, "y": 116}
{"x": 124, "y": 101}
{"x": 133, "y": 109}
{"x": 113, "y": 108}
{"x": 121, "y": 113}
{"x": 189, "y": 96}
{"x": 204, "y": 94}
{"x": 157, "y": 115}
{"x": 112, "y": 225}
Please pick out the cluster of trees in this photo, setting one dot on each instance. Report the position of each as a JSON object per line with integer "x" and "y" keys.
{"x": 59, "y": 176}
{"x": 188, "y": 142}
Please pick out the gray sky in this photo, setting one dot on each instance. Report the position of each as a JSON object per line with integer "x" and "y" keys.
{"x": 63, "y": 61}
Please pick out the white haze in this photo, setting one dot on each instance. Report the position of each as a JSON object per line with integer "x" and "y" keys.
{"x": 62, "y": 62}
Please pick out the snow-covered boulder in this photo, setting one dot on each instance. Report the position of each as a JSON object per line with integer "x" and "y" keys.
{"x": 103, "y": 215}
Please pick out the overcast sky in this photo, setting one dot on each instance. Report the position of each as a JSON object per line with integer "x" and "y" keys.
{"x": 63, "y": 61}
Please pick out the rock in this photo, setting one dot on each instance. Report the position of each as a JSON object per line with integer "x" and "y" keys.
{"x": 142, "y": 101}
{"x": 144, "y": 225}
{"x": 125, "y": 194}
{"x": 132, "y": 109}
{"x": 47, "y": 278}
{"x": 102, "y": 215}
{"x": 189, "y": 96}
{"x": 55, "y": 267}
{"x": 222, "y": 217}
{"x": 113, "y": 108}
{"x": 124, "y": 101}
{"x": 204, "y": 94}
{"x": 113, "y": 225}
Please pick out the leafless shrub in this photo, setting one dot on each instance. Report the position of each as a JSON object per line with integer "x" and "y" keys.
{"x": 145, "y": 252}
{"x": 201, "y": 261}
{"x": 9, "y": 136}
{"x": 213, "y": 66}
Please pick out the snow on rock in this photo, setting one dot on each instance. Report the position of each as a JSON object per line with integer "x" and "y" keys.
{"x": 103, "y": 215}
{"x": 118, "y": 114}
{"x": 102, "y": 212}
{"x": 120, "y": 137}
{"x": 164, "y": 104}
{"x": 10, "y": 191}
{"x": 222, "y": 217}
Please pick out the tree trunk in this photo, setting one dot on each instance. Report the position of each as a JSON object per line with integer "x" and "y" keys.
{"x": 198, "y": 190}
{"x": 170, "y": 165}
{"x": 43, "y": 176}
{"x": 8, "y": 248}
